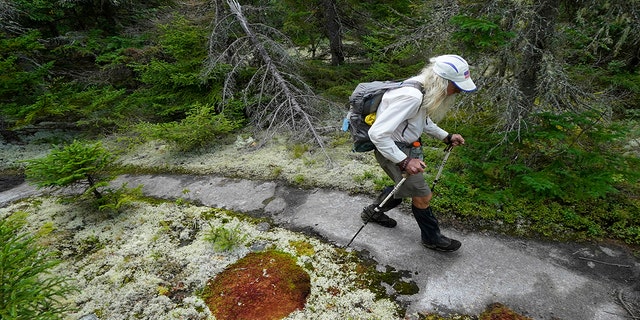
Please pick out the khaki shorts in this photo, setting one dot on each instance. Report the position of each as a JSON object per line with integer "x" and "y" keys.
{"x": 414, "y": 186}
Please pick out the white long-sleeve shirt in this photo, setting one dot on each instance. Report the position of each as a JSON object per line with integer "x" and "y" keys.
{"x": 400, "y": 118}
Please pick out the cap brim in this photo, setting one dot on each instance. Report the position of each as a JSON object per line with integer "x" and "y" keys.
{"x": 466, "y": 85}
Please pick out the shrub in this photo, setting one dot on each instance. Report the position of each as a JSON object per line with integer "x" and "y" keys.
{"x": 115, "y": 200}
{"x": 201, "y": 126}
{"x": 72, "y": 164}
{"x": 567, "y": 176}
{"x": 28, "y": 287}
{"x": 224, "y": 238}
{"x": 568, "y": 157}
{"x": 22, "y": 79}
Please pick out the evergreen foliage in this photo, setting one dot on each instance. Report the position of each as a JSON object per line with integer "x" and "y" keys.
{"x": 20, "y": 84}
{"x": 55, "y": 18}
{"x": 480, "y": 34}
{"x": 171, "y": 74}
{"x": 303, "y": 24}
{"x": 569, "y": 176}
{"x": 29, "y": 288}
{"x": 72, "y": 164}
{"x": 110, "y": 68}
{"x": 200, "y": 128}
{"x": 224, "y": 238}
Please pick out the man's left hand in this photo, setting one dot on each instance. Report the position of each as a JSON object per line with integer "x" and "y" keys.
{"x": 455, "y": 140}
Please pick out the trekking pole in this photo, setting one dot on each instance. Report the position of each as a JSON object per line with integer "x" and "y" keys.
{"x": 447, "y": 151}
{"x": 404, "y": 178}
{"x": 377, "y": 208}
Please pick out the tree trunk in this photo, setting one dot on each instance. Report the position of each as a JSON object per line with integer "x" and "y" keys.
{"x": 537, "y": 39}
{"x": 92, "y": 184}
{"x": 334, "y": 30}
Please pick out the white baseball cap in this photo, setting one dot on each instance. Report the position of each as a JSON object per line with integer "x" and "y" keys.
{"x": 454, "y": 68}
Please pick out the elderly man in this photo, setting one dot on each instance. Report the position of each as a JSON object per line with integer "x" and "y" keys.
{"x": 403, "y": 115}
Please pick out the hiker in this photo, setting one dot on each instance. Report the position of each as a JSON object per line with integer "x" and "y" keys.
{"x": 403, "y": 115}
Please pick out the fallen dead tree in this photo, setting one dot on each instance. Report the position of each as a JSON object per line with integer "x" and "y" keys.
{"x": 276, "y": 98}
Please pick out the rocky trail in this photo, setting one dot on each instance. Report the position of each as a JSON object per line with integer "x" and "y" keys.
{"x": 542, "y": 280}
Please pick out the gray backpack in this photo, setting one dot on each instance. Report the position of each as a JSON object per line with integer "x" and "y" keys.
{"x": 364, "y": 101}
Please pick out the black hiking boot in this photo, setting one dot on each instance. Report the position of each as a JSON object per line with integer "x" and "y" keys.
{"x": 370, "y": 215}
{"x": 444, "y": 244}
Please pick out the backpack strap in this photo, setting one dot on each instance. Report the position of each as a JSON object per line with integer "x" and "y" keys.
{"x": 412, "y": 83}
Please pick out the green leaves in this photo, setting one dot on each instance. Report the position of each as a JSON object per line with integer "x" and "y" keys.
{"x": 565, "y": 156}
{"x": 21, "y": 76}
{"x": 28, "y": 287}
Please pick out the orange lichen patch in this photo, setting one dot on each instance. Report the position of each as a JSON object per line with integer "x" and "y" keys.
{"x": 264, "y": 285}
{"x": 498, "y": 311}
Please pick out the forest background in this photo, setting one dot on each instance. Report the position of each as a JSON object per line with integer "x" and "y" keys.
{"x": 552, "y": 134}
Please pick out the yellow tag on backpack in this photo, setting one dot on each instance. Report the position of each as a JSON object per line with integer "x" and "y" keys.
{"x": 370, "y": 118}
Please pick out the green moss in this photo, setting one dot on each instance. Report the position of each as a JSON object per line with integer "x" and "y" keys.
{"x": 494, "y": 311}
{"x": 365, "y": 176}
{"x": 299, "y": 179}
{"x": 88, "y": 245}
{"x": 396, "y": 279}
{"x": 99, "y": 313}
{"x": 162, "y": 290}
{"x": 276, "y": 171}
{"x": 450, "y": 317}
{"x": 406, "y": 287}
{"x": 303, "y": 248}
{"x": 368, "y": 277}
{"x": 339, "y": 139}
{"x": 141, "y": 169}
{"x": 225, "y": 216}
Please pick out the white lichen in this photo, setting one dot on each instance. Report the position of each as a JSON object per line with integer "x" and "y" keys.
{"x": 137, "y": 264}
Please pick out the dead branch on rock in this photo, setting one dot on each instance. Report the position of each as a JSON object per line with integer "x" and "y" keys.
{"x": 275, "y": 99}
{"x": 626, "y": 305}
{"x": 607, "y": 263}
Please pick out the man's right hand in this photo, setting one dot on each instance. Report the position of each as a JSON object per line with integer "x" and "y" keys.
{"x": 415, "y": 166}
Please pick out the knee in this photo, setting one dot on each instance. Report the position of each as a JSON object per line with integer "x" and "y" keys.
{"x": 421, "y": 202}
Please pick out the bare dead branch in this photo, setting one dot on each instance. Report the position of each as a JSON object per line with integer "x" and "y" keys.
{"x": 606, "y": 263}
{"x": 548, "y": 88}
{"x": 276, "y": 99}
{"x": 626, "y": 305}
{"x": 427, "y": 28}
